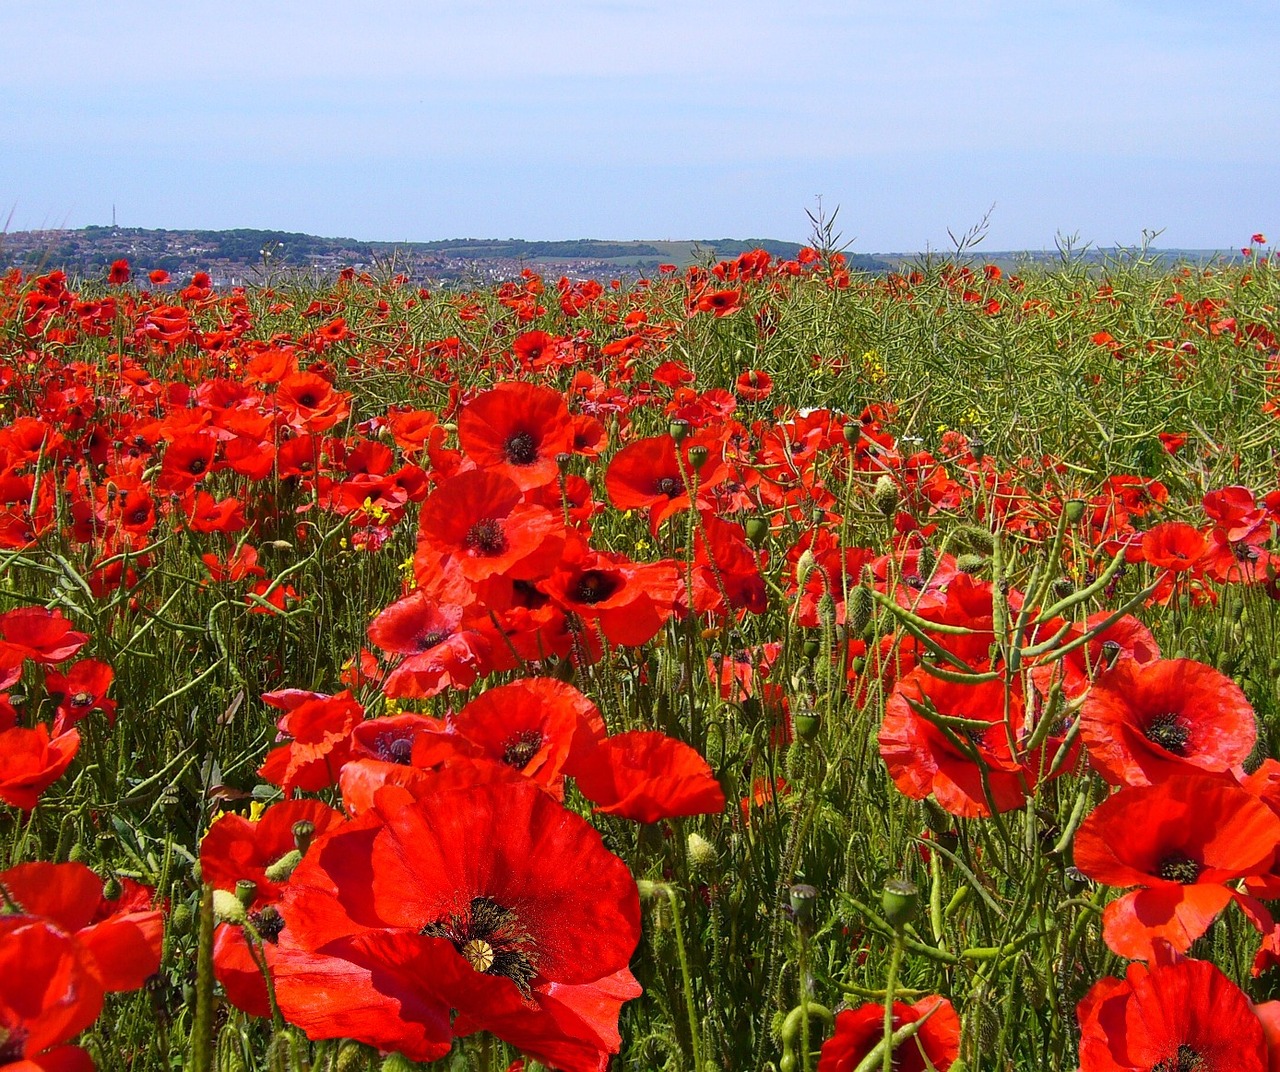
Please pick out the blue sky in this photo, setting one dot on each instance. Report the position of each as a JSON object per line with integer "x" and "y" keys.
{"x": 646, "y": 119}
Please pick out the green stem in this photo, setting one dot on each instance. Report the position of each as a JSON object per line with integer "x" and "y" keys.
{"x": 895, "y": 961}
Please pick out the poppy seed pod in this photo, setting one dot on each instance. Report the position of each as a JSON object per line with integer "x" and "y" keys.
{"x": 900, "y": 901}
{"x": 978, "y": 448}
{"x": 1074, "y": 509}
{"x": 697, "y": 456}
{"x": 803, "y": 899}
{"x": 679, "y": 430}
{"x": 757, "y": 529}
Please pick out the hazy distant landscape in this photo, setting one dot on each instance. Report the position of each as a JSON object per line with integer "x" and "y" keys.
{"x": 251, "y": 256}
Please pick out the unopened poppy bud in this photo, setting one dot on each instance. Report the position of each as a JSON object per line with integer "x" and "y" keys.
{"x": 757, "y": 530}
{"x": 885, "y": 496}
{"x": 397, "y": 1062}
{"x": 227, "y": 907}
{"x": 180, "y": 918}
{"x": 679, "y": 429}
{"x": 858, "y": 612}
{"x": 111, "y": 889}
{"x": 810, "y": 648}
{"x": 1074, "y": 509}
{"x": 1063, "y": 587}
{"x": 647, "y": 889}
{"x": 697, "y": 456}
{"x": 804, "y": 900}
{"x": 701, "y": 853}
{"x": 303, "y": 831}
{"x": 805, "y": 565}
{"x": 563, "y": 461}
{"x": 972, "y": 564}
{"x": 246, "y": 891}
{"x": 978, "y": 448}
{"x": 1110, "y": 652}
{"x": 352, "y": 1057}
{"x": 283, "y": 867}
{"x": 852, "y": 432}
{"x": 900, "y": 901}
{"x": 927, "y": 561}
{"x": 281, "y": 545}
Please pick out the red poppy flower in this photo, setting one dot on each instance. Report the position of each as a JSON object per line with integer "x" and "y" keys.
{"x": 753, "y": 385}
{"x": 43, "y": 636}
{"x": 719, "y": 302}
{"x": 309, "y": 403}
{"x": 119, "y": 939}
{"x": 518, "y": 429}
{"x": 647, "y": 475}
{"x": 477, "y": 519}
{"x": 1143, "y": 724}
{"x": 858, "y": 1031}
{"x": 488, "y": 900}
{"x": 83, "y": 688}
{"x": 630, "y": 601}
{"x": 440, "y": 653}
{"x": 1183, "y": 841}
{"x": 1173, "y": 545}
{"x": 31, "y": 761}
{"x": 647, "y": 776}
{"x": 48, "y": 995}
{"x": 539, "y": 726}
{"x": 390, "y": 739}
{"x": 320, "y": 729}
{"x": 922, "y": 761}
{"x": 1174, "y": 1017}
{"x": 118, "y": 273}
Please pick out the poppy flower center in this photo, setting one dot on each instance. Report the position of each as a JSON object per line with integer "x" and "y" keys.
{"x": 138, "y": 515}
{"x": 486, "y": 537}
{"x": 13, "y": 1044}
{"x": 427, "y": 641}
{"x": 594, "y": 586}
{"x": 392, "y": 748}
{"x": 492, "y": 940}
{"x": 268, "y": 922}
{"x": 307, "y": 399}
{"x": 521, "y": 748}
{"x": 1185, "y": 1060}
{"x": 196, "y": 466}
{"x": 1169, "y": 732}
{"x": 82, "y": 699}
{"x": 670, "y": 486}
{"x": 1179, "y": 868}
{"x": 522, "y": 449}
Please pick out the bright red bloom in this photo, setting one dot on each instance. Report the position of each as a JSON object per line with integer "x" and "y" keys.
{"x": 83, "y": 688}
{"x": 858, "y": 1031}
{"x": 539, "y": 726}
{"x": 1171, "y": 1018}
{"x": 310, "y": 403}
{"x": 922, "y": 761}
{"x": 1173, "y": 545}
{"x": 320, "y": 729}
{"x": 31, "y": 761}
{"x": 439, "y": 652}
{"x": 43, "y": 636}
{"x": 477, "y": 519}
{"x": 648, "y": 474}
{"x": 491, "y": 900}
{"x": 753, "y": 385}
{"x": 1183, "y": 841}
{"x": 719, "y": 302}
{"x": 647, "y": 776}
{"x": 518, "y": 429}
{"x": 119, "y": 272}
{"x": 1143, "y": 724}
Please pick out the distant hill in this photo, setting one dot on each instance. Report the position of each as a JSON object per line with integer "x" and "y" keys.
{"x": 250, "y": 256}
{"x": 244, "y": 255}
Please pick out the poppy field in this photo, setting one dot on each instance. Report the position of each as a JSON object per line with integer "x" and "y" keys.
{"x": 760, "y": 666}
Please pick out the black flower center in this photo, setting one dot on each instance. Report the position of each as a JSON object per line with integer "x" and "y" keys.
{"x": 670, "y": 486}
{"x": 196, "y": 466}
{"x": 594, "y": 586}
{"x": 486, "y": 537}
{"x": 492, "y": 940}
{"x": 13, "y": 1044}
{"x": 1185, "y": 1060}
{"x": 427, "y": 641}
{"x": 268, "y": 922}
{"x": 1170, "y": 732}
{"x": 522, "y": 449}
{"x": 521, "y": 748}
{"x": 1177, "y": 867}
{"x": 394, "y": 748}
{"x": 307, "y": 399}
{"x": 138, "y": 515}
{"x": 82, "y": 699}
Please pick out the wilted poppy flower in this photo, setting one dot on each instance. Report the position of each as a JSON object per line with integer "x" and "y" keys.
{"x": 858, "y": 1031}
{"x": 1183, "y": 841}
{"x": 1142, "y": 724}
{"x": 646, "y": 776}
{"x": 517, "y": 429}
{"x": 1180, "y": 1017}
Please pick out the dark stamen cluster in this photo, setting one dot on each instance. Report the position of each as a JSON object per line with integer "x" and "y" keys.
{"x": 521, "y": 748}
{"x": 13, "y": 1044}
{"x": 594, "y": 586}
{"x": 1185, "y": 1060}
{"x": 268, "y": 922}
{"x": 492, "y": 940}
{"x": 668, "y": 485}
{"x": 1170, "y": 732}
{"x": 486, "y": 537}
{"x": 427, "y": 641}
{"x": 522, "y": 449}
{"x": 1179, "y": 868}
{"x": 394, "y": 748}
